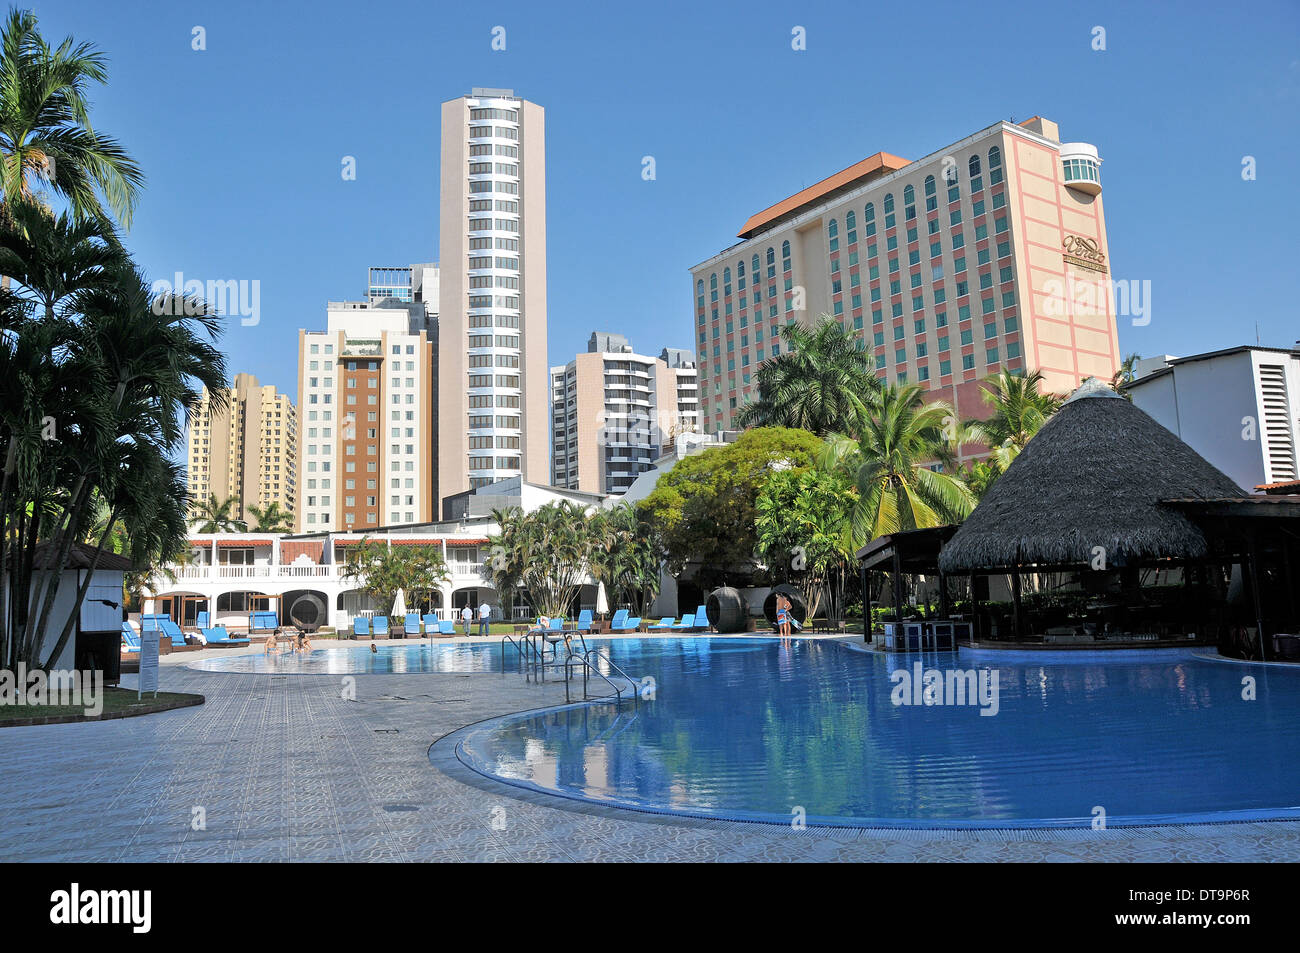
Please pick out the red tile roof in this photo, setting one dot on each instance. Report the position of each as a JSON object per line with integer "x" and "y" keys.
{"x": 880, "y": 163}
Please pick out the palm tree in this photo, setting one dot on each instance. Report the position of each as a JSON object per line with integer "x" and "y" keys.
{"x": 1127, "y": 371}
{"x": 1018, "y": 411}
{"x": 822, "y": 382}
{"x": 271, "y": 518}
{"x": 890, "y": 464}
{"x": 211, "y": 516}
{"x": 45, "y": 130}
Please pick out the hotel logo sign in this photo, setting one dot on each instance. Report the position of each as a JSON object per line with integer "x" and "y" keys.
{"x": 1084, "y": 252}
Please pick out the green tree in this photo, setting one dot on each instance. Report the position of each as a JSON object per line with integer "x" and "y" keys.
{"x": 703, "y": 509}
{"x": 547, "y": 552}
{"x": 214, "y": 516}
{"x": 380, "y": 570}
{"x": 47, "y": 141}
{"x": 1125, "y": 375}
{"x": 805, "y": 533}
{"x": 891, "y": 466}
{"x": 1018, "y": 408}
{"x": 625, "y": 557}
{"x": 271, "y": 518}
{"x": 822, "y": 382}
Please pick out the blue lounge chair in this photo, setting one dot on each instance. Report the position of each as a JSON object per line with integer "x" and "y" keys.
{"x": 629, "y": 624}
{"x": 584, "y": 621}
{"x": 203, "y": 621}
{"x": 412, "y": 624}
{"x": 263, "y": 621}
{"x": 687, "y": 623}
{"x": 360, "y": 627}
{"x": 665, "y": 623}
{"x": 446, "y": 627}
{"x": 172, "y": 631}
{"x": 619, "y": 620}
{"x": 380, "y": 623}
{"x": 701, "y": 619}
{"x": 129, "y": 639}
{"x": 217, "y": 637}
{"x": 153, "y": 621}
{"x": 430, "y": 624}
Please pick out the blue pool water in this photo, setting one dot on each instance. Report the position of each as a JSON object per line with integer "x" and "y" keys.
{"x": 410, "y": 658}
{"x": 750, "y": 729}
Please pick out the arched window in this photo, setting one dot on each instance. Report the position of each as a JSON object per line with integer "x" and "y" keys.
{"x": 950, "y": 172}
{"x": 785, "y": 250}
{"x": 771, "y": 256}
{"x": 726, "y": 276}
{"x": 754, "y": 267}
{"x": 740, "y": 268}
{"x": 929, "y": 185}
{"x": 713, "y": 281}
{"x": 699, "y": 287}
{"x": 869, "y": 213}
{"x": 995, "y": 165}
{"x": 909, "y": 195}
{"x": 889, "y": 203}
{"x": 850, "y": 220}
{"x": 833, "y": 229}
{"x": 974, "y": 166}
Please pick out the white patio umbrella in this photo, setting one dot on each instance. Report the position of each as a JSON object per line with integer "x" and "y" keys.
{"x": 399, "y": 604}
{"x": 602, "y": 600}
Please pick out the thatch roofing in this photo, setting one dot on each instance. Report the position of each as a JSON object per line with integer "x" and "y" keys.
{"x": 1093, "y": 476}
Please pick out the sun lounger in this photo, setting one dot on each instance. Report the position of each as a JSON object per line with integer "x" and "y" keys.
{"x": 627, "y": 624}
{"x": 665, "y": 623}
{"x": 430, "y": 624}
{"x": 412, "y": 624}
{"x": 584, "y": 621}
{"x": 262, "y": 621}
{"x": 686, "y": 625}
{"x": 152, "y": 621}
{"x": 701, "y": 619}
{"x": 217, "y": 637}
{"x": 446, "y": 627}
{"x": 380, "y": 623}
{"x": 130, "y": 639}
{"x": 172, "y": 631}
{"x": 360, "y": 627}
{"x": 203, "y": 621}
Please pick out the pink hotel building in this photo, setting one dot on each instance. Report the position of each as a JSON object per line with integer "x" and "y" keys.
{"x": 988, "y": 254}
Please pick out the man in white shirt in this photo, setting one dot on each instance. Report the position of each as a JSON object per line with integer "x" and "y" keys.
{"x": 484, "y": 615}
{"x": 467, "y": 616}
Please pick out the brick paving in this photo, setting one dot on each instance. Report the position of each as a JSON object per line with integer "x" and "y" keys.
{"x": 283, "y": 768}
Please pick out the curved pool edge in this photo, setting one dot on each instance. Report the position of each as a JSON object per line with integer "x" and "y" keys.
{"x": 1077, "y": 825}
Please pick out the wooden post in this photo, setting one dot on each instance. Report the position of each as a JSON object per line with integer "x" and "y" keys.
{"x": 898, "y": 586}
{"x": 866, "y": 601}
{"x": 1015, "y": 601}
{"x": 1259, "y": 611}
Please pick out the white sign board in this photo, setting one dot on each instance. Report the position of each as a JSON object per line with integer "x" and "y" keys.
{"x": 148, "y": 662}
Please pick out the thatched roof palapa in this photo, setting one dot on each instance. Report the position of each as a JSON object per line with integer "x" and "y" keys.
{"x": 1093, "y": 476}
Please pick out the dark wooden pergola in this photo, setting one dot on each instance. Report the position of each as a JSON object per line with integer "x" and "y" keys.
{"x": 913, "y": 552}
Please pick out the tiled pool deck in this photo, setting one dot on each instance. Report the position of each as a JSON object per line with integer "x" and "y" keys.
{"x": 284, "y": 769}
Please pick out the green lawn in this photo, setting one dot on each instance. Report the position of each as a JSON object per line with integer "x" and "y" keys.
{"x": 115, "y": 700}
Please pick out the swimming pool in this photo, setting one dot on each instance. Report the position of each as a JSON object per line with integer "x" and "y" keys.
{"x": 411, "y": 658}
{"x": 749, "y": 729}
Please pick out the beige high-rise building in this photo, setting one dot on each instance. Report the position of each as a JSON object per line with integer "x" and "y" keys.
{"x": 491, "y": 361}
{"x": 988, "y": 254}
{"x": 613, "y": 412}
{"x": 248, "y": 450}
{"x": 365, "y": 405}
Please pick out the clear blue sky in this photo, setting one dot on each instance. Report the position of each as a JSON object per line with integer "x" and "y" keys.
{"x": 242, "y": 143}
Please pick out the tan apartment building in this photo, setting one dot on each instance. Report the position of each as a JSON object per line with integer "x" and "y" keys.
{"x": 492, "y": 370}
{"x": 990, "y": 253}
{"x": 247, "y": 451}
{"x": 365, "y": 406}
{"x": 613, "y": 412}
